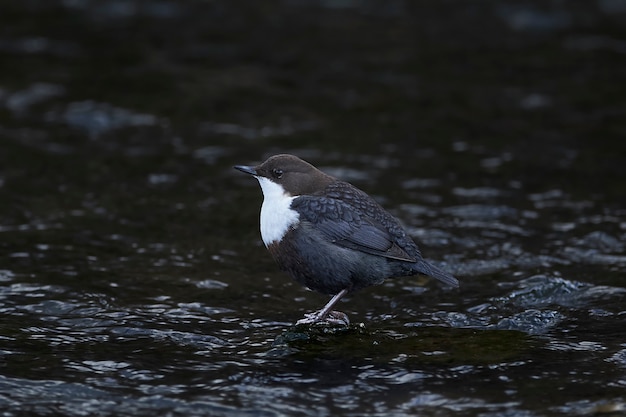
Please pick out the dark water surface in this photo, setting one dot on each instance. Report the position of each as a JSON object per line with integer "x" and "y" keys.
{"x": 133, "y": 278}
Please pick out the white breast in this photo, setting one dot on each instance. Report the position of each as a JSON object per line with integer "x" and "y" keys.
{"x": 276, "y": 215}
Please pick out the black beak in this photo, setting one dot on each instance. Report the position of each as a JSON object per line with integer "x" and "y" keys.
{"x": 246, "y": 169}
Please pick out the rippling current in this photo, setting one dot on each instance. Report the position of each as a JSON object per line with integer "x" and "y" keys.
{"x": 117, "y": 325}
{"x": 133, "y": 280}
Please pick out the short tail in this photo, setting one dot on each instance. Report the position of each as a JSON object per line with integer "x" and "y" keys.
{"x": 425, "y": 268}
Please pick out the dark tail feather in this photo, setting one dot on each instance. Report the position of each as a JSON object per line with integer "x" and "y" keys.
{"x": 425, "y": 268}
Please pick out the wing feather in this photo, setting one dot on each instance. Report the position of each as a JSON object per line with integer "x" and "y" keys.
{"x": 347, "y": 226}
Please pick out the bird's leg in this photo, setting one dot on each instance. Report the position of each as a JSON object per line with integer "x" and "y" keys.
{"x": 326, "y": 313}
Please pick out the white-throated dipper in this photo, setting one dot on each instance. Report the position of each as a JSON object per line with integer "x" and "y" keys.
{"x": 330, "y": 236}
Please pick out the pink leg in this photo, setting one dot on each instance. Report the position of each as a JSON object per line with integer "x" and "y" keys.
{"x": 324, "y": 313}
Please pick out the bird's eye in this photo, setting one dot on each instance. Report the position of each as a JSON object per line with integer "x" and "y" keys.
{"x": 277, "y": 172}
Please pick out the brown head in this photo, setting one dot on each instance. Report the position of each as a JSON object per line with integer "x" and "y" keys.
{"x": 295, "y": 176}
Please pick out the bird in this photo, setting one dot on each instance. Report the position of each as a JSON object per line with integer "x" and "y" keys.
{"x": 330, "y": 236}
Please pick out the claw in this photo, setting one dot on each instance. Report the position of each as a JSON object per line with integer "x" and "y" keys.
{"x": 325, "y": 315}
{"x": 335, "y": 318}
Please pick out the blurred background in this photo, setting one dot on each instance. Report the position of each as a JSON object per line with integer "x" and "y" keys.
{"x": 134, "y": 280}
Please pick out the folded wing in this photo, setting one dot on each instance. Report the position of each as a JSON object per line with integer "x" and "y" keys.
{"x": 345, "y": 226}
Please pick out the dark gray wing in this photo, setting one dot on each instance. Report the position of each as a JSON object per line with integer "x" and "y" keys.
{"x": 345, "y": 225}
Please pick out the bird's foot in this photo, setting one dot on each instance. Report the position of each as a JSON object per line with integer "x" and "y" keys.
{"x": 335, "y": 318}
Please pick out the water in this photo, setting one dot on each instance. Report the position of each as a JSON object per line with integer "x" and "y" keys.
{"x": 133, "y": 280}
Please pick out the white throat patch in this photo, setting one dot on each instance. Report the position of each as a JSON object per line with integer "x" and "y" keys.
{"x": 276, "y": 215}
